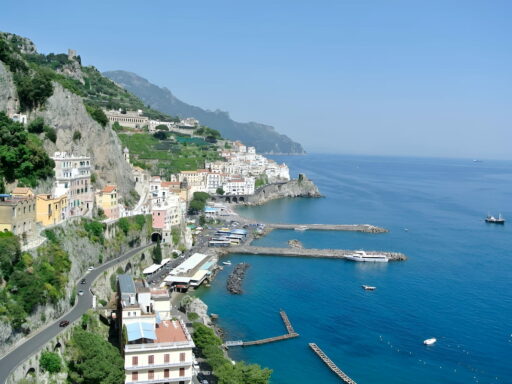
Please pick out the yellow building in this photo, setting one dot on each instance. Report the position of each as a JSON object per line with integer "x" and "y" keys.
{"x": 18, "y": 215}
{"x": 50, "y": 211}
{"x": 106, "y": 199}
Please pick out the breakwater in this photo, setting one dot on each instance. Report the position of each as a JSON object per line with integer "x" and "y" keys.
{"x": 367, "y": 228}
{"x": 342, "y": 375}
{"x": 234, "y": 284}
{"x": 308, "y": 252}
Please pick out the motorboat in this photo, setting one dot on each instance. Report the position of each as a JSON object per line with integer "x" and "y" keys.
{"x": 301, "y": 228}
{"x": 430, "y": 341}
{"x": 363, "y": 256}
{"x": 495, "y": 220}
{"x": 368, "y": 288}
{"x": 227, "y": 262}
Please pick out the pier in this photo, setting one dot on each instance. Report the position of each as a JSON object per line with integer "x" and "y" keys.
{"x": 367, "y": 228}
{"x": 291, "y": 334}
{"x": 342, "y": 375}
{"x": 308, "y": 252}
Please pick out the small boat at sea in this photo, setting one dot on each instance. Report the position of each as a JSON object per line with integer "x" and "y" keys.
{"x": 430, "y": 341}
{"x": 495, "y": 220}
{"x": 300, "y": 228}
{"x": 363, "y": 256}
{"x": 368, "y": 288}
{"x": 227, "y": 262}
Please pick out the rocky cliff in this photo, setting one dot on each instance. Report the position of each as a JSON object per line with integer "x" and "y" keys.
{"x": 66, "y": 112}
{"x": 8, "y": 97}
{"x": 301, "y": 187}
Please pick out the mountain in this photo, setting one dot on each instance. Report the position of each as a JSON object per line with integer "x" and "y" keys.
{"x": 264, "y": 137}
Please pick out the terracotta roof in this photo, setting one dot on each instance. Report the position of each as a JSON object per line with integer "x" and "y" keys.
{"x": 109, "y": 188}
{"x": 169, "y": 183}
{"x": 21, "y": 191}
{"x": 169, "y": 331}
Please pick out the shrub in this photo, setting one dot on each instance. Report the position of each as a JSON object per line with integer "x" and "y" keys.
{"x": 124, "y": 224}
{"x": 33, "y": 91}
{"x": 36, "y": 125}
{"x": 51, "y": 134}
{"x": 77, "y": 136}
{"x": 97, "y": 114}
{"x": 192, "y": 316}
{"x": 162, "y": 127}
{"x": 50, "y": 362}
{"x": 50, "y": 235}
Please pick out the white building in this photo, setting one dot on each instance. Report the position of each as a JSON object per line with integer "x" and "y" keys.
{"x": 237, "y": 186}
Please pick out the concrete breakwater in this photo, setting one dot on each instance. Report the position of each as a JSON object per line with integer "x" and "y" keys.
{"x": 308, "y": 252}
{"x": 367, "y": 228}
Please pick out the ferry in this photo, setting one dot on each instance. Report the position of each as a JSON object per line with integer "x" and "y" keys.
{"x": 363, "y": 256}
{"x": 430, "y": 341}
{"x": 495, "y": 220}
{"x": 368, "y": 288}
{"x": 226, "y": 262}
{"x": 301, "y": 228}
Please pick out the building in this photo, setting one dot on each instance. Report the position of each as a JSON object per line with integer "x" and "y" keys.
{"x": 189, "y": 123}
{"x": 107, "y": 200}
{"x": 158, "y": 349}
{"x": 191, "y": 273}
{"x": 18, "y": 215}
{"x": 130, "y": 119}
{"x": 73, "y": 178}
{"x": 237, "y": 186}
{"x": 51, "y": 210}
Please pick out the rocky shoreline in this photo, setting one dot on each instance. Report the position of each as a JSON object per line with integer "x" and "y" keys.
{"x": 234, "y": 283}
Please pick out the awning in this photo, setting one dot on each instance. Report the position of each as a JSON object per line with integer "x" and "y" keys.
{"x": 140, "y": 330}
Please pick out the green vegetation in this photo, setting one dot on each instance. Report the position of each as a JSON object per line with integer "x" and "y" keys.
{"x": 198, "y": 202}
{"x": 124, "y": 224}
{"x": 219, "y": 191}
{"x": 93, "y": 359}
{"x": 261, "y": 181}
{"x": 77, "y": 136}
{"x": 94, "y": 230}
{"x": 50, "y": 134}
{"x": 226, "y": 373}
{"x": 175, "y": 234}
{"x": 169, "y": 153}
{"x": 97, "y": 114}
{"x": 192, "y": 316}
{"x": 50, "y": 362}
{"x": 36, "y": 126}
{"x": 33, "y": 89}
{"x": 22, "y": 156}
{"x": 162, "y": 127}
{"x": 156, "y": 254}
{"x": 211, "y": 135}
{"x": 29, "y": 282}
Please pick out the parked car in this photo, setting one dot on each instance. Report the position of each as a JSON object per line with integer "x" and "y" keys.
{"x": 64, "y": 323}
{"x": 90, "y": 268}
{"x": 83, "y": 281}
{"x": 80, "y": 293}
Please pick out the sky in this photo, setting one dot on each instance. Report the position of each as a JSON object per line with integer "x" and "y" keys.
{"x": 407, "y": 78}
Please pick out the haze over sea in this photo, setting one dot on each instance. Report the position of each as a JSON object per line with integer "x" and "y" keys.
{"x": 455, "y": 286}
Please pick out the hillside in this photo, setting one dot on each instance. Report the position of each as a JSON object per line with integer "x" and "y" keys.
{"x": 264, "y": 137}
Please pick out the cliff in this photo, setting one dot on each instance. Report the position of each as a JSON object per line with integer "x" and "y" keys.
{"x": 301, "y": 187}
{"x": 264, "y": 137}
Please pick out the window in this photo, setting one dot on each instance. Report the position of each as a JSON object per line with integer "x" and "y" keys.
{"x": 166, "y": 373}
{"x": 182, "y": 356}
{"x": 151, "y": 375}
{"x": 135, "y": 360}
{"x": 135, "y": 376}
{"x": 182, "y": 372}
{"x": 151, "y": 359}
{"x": 166, "y": 358}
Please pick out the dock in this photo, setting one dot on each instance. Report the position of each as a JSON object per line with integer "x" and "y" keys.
{"x": 367, "y": 228}
{"x": 308, "y": 252}
{"x": 289, "y": 328}
{"x": 342, "y": 375}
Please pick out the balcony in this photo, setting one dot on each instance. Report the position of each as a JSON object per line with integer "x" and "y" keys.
{"x": 158, "y": 366}
{"x": 186, "y": 379}
{"x": 158, "y": 346}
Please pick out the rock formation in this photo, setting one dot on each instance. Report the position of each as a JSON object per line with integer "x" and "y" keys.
{"x": 234, "y": 284}
{"x": 301, "y": 187}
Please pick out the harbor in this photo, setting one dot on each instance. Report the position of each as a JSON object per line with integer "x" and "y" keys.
{"x": 366, "y": 228}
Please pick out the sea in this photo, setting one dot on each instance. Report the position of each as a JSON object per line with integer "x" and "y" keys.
{"x": 455, "y": 286}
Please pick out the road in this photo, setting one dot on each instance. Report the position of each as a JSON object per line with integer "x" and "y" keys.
{"x": 10, "y": 361}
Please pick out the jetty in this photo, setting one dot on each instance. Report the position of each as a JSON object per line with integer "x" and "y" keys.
{"x": 367, "y": 228}
{"x": 308, "y": 252}
{"x": 342, "y": 375}
{"x": 291, "y": 334}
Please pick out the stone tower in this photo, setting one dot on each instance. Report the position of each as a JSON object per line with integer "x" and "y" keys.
{"x": 126, "y": 154}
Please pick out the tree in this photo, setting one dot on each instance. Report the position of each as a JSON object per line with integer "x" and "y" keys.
{"x": 36, "y": 125}
{"x": 51, "y": 134}
{"x": 77, "y": 136}
{"x": 202, "y": 220}
{"x": 94, "y": 360}
{"x": 97, "y": 114}
{"x": 124, "y": 224}
{"x": 160, "y": 135}
{"x": 162, "y": 127}
{"x": 157, "y": 253}
{"x": 50, "y": 362}
{"x": 219, "y": 191}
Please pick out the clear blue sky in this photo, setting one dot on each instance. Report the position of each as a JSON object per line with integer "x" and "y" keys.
{"x": 427, "y": 78}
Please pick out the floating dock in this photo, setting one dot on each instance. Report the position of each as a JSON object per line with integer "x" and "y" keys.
{"x": 342, "y": 375}
{"x": 308, "y": 252}
{"x": 291, "y": 334}
{"x": 367, "y": 228}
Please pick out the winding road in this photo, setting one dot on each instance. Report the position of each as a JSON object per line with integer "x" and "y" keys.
{"x": 16, "y": 356}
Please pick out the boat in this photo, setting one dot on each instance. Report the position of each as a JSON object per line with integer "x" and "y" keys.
{"x": 300, "y": 228}
{"x": 495, "y": 220}
{"x": 363, "y": 256}
{"x": 368, "y": 288}
{"x": 430, "y": 341}
{"x": 226, "y": 262}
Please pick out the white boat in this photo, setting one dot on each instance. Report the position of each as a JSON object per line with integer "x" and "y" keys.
{"x": 430, "y": 341}
{"x": 226, "y": 262}
{"x": 363, "y": 256}
{"x": 301, "y": 228}
{"x": 368, "y": 288}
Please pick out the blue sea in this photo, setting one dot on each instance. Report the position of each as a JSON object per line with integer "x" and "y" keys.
{"x": 455, "y": 286}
